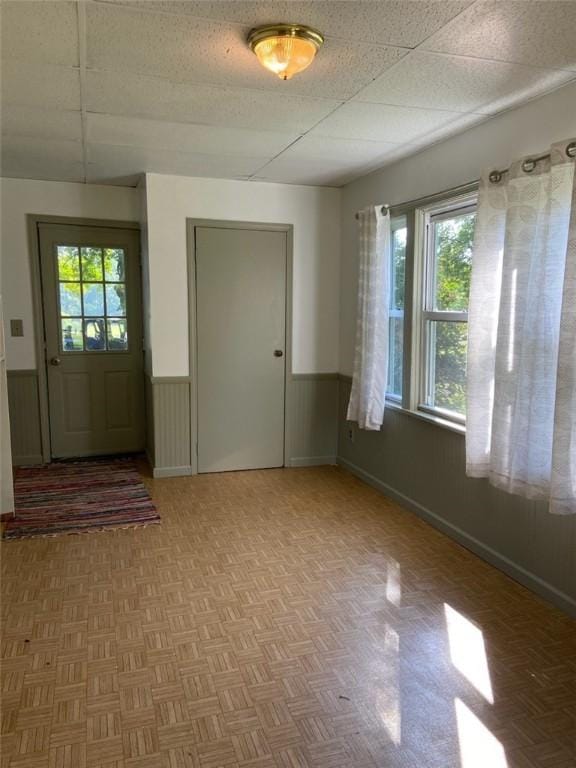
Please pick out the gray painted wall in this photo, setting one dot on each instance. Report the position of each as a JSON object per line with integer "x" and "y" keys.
{"x": 312, "y": 419}
{"x": 24, "y": 410}
{"x": 422, "y": 465}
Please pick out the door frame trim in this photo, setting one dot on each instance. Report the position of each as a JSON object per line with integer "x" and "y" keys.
{"x": 38, "y": 321}
{"x": 261, "y": 226}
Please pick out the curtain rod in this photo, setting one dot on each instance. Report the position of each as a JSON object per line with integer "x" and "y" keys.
{"x": 530, "y": 163}
{"x": 527, "y": 166}
{"x": 470, "y": 186}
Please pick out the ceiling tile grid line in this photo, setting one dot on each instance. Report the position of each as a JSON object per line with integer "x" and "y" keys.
{"x": 82, "y": 43}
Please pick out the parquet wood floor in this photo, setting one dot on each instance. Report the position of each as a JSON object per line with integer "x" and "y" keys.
{"x": 278, "y": 619}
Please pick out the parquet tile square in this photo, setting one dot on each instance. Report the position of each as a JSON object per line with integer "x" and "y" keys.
{"x": 277, "y": 619}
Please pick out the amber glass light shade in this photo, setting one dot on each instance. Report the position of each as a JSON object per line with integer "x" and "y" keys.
{"x": 285, "y": 49}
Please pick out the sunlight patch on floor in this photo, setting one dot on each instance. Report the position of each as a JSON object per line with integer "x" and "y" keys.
{"x": 467, "y": 651}
{"x": 393, "y": 583}
{"x": 478, "y": 747}
{"x": 388, "y": 692}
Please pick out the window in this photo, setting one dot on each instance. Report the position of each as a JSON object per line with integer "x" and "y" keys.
{"x": 447, "y": 254}
{"x": 398, "y": 237}
{"x": 92, "y": 299}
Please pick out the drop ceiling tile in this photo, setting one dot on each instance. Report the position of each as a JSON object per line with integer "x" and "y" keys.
{"x": 350, "y": 151}
{"x": 381, "y": 122}
{"x": 40, "y": 31}
{"x": 107, "y": 163}
{"x": 307, "y": 171}
{"x": 17, "y": 120}
{"x": 540, "y": 33}
{"x": 40, "y": 85}
{"x": 32, "y": 158}
{"x": 391, "y": 22}
{"x": 334, "y": 172}
{"x": 444, "y": 131}
{"x": 187, "y": 49}
{"x": 128, "y": 94}
{"x": 182, "y": 137}
{"x": 438, "y": 81}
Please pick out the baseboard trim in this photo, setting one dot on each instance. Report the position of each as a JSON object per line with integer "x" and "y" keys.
{"x": 171, "y": 471}
{"x": 517, "y": 572}
{"x": 24, "y": 461}
{"x": 311, "y": 461}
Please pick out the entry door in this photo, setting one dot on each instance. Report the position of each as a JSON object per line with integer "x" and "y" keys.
{"x": 241, "y": 339}
{"x": 93, "y": 324}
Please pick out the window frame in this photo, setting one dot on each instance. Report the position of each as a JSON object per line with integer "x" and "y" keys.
{"x": 446, "y": 210}
{"x": 81, "y": 282}
{"x": 397, "y": 222}
{"x": 417, "y": 215}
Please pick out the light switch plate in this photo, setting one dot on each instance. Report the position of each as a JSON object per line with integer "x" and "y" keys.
{"x": 16, "y": 328}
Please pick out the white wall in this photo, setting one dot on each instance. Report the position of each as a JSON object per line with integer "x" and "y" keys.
{"x": 315, "y": 214}
{"x": 458, "y": 160}
{"x": 22, "y": 196}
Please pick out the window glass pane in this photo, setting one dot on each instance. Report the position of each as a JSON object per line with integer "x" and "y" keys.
{"x": 453, "y": 241}
{"x": 95, "y": 338}
{"x": 72, "y": 339}
{"x": 70, "y": 303}
{"x": 396, "y": 330}
{"x": 396, "y": 322}
{"x": 447, "y": 365}
{"x": 115, "y": 299}
{"x": 93, "y": 299}
{"x": 398, "y": 268}
{"x": 114, "y": 265}
{"x": 117, "y": 333}
{"x": 92, "y": 264}
{"x": 68, "y": 263}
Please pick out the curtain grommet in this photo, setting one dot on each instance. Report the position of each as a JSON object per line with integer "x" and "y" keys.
{"x": 528, "y": 166}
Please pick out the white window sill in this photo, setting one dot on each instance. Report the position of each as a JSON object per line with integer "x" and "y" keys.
{"x": 452, "y": 426}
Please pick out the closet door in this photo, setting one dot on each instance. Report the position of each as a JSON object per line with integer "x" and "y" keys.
{"x": 241, "y": 336}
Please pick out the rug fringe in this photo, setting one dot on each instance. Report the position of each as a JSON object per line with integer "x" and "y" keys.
{"x": 107, "y": 529}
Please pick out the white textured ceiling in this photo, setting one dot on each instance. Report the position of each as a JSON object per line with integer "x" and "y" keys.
{"x": 103, "y": 90}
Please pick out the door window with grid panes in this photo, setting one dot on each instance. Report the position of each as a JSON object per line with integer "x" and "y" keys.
{"x": 92, "y": 299}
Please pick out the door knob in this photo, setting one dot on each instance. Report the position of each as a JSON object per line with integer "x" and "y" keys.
{"x": 55, "y": 361}
{"x": 278, "y": 353}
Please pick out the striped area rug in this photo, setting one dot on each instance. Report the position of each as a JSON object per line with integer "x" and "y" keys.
{"x": 78, "y": 497}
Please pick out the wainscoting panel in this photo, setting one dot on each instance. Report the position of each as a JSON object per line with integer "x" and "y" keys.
{"x": 168, "y": 412}
{"x": 422, "y": 466}
{"x": 312, "y": 420}
{"x": 24, "y": 411}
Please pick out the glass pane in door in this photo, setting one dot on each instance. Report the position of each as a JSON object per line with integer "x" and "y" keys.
{"x": 92, "y": 299}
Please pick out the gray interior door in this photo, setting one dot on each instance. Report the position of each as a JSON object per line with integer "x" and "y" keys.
{"x": 93, "y": 324}
{"x": 241, "y": 341}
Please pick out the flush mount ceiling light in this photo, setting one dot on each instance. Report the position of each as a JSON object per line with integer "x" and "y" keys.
{"x": 285, "y": 49}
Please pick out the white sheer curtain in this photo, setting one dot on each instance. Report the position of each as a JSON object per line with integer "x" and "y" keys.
{"x": 368, "y": 394}
{"x": 521, "y": 409}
